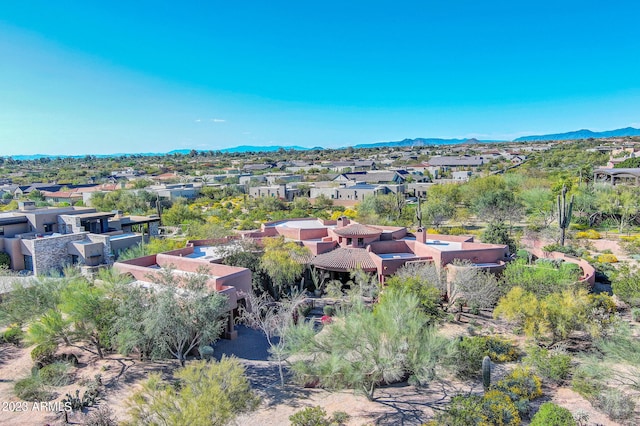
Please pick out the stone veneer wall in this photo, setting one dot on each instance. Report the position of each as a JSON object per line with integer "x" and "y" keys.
{"x": 50, "y": 253}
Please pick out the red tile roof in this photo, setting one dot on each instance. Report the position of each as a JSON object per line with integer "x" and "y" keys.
{"x": 344, "y": 260}
{"x": 357, "y": 230}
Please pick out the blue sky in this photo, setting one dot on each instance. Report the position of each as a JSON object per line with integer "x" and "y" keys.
{"x": 109, "y": 77}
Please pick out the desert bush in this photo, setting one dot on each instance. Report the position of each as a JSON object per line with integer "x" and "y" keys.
{"x": 616, "y": 404}
{"x": 329, "y": 310}
{"x": 586, "y": 380}
{"x": 13, "y": 334}
{"x": 365, "y": 348}
{"x": 310, "y": 416}
{"x": 102, "y": 416}
{"x": 470, "y": 351}
{"x": 590, "y": 234}
{"x": 607, "y": 258}
{"x": 541, "y": 279}
{"x": 554, "y": 365}
{"x": 630, "y": 244}
{"x": 207, "y": 393}
{"x": 317, "y": 416}
{"x": 635, "y": 314}
{"x": 627, "y": 286}
{"x": 44, "y": 353}
{"x": 500, "y": 408}
{"x": 551, "y": 414}
{"x": 494, "y": 408}
{"x": 56, "y": 374}
{"x": 32, "y": 388}
{"x": 521, "y": 383}
{"x": 5, "y": 260}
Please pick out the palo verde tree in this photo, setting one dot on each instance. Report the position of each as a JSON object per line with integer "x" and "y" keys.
{"x": 365, "y": 348}
{"x": 89, "y": 311}
{"x": 284, "y": 262}
{"x": 207, "y": 394}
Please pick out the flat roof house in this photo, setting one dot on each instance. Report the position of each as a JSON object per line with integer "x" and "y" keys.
{"x": 40, "y": 240}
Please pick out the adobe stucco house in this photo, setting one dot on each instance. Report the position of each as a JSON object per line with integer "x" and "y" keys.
{"x": 41, "y": 240}
{"x": 230, "y": 281}
{"x": 341, "y": 245}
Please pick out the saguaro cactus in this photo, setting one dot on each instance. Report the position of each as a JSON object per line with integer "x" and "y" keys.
{"x": 486, "y": 373}
{"x": 564, "y": 213}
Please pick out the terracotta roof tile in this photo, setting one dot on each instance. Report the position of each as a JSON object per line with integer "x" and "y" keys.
{"x": 357, "y": 230}
{"x": 345, "y": 259}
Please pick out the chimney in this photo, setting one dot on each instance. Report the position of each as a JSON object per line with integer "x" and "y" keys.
{"x": 26, "y": 205}
{"x": 421, "y": 235}
{"x": 342, "y": 221}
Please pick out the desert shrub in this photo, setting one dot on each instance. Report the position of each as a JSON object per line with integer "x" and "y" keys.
{"x": 5, "y": 260}
{"x": 590, "y": 234}
{"x": 570, "y": 250}
{"x": 329, "y": 310}
{"x": 627, "y": 286}
{"x": 551, "y": 414}
{"x": 500, "y": 409}
{"x": 554, "y": 365}
{"x": 522, "y": 254}
{"x": 462, "y": 411}
{"x": 470, "y": 351}
{"x": 32, "y": 388}
{"x": 494, "y": 408}
{"x": 458, "y": 230}
{"x": 13, "y": 334}
{"x": 44, "y": 353}
{"x": 521, "y": 383}
{"x": 310, "y": 416}
{"x": 630, "y": 244}
{"x": 585, "y": 381}
{"x": 304, "y": 309}
{"x": 607, "y": 258}
{"x": 56, "y": 374}
{"x": 545, "y": 277}
{"x": 340, "y": 418}
{"x": 102, "y": 416}
{"x": 206, "y": 393}
{"x": 635, "y": 314}
{"x": 616, "y": 404}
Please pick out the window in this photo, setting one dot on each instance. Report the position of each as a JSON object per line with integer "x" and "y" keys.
{"x": 349, "y": 241}
{"x": 1, "y": 230}
{"x": 48, "y": 227}
{"x": 360, "y": 242}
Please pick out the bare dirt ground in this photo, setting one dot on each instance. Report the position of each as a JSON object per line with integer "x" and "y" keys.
{"x": 399, "y": 404}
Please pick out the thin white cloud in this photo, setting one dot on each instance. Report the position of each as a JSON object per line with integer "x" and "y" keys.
{"x": 218, "y": 120}
{"x": 197, "y": 120}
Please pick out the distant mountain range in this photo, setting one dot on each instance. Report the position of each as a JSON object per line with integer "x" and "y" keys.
{"x": 421, "y": 142}
{"x": 582, "y": 134}
{"x": 579, "y": 134}
{"x": 250, "y": 148}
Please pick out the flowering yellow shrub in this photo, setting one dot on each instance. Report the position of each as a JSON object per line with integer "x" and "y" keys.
{"x": 458, "y": 230}
{"x": 432, "y": 231}
{"x": 607, "y": 258}
{"x": 590, "y": 234}
{"x": 521, "y": 384}
{"x": 499, "y": 409}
